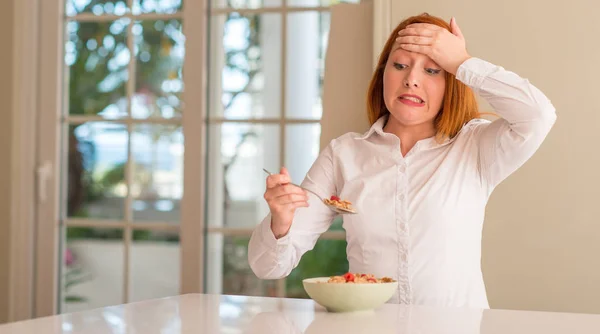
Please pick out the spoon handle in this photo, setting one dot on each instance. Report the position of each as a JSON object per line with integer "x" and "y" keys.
{"x": 266, "y": 171}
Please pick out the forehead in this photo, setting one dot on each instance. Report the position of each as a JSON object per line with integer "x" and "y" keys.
{"x": 399, "y": 52}
{"x": 396, "y": 48}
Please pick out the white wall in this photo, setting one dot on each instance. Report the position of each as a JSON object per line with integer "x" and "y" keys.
{"x": 345, "y": 91}
{"x": 541, "y": 236}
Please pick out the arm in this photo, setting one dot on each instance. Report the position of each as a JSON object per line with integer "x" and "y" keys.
{"x": 527, "y": 116}
{"x": 272, "y": 258}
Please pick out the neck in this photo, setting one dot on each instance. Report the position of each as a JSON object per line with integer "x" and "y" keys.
{"x": 409, "y": 134}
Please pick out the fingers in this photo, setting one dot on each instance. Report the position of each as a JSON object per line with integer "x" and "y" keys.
{"x": 280, "y": 201}
{"x": 283, "y": 190}
{"x": 282, "y": 196}
{"x": 278, "y": 179}
{"x": 455, "y": 29}
{"x": 418, "y": 30}
{"x": 290, "y": 199}
{"x": 415, "y": 40}
{"x": 294, "y": 206}
{"x": 424, "y": 49}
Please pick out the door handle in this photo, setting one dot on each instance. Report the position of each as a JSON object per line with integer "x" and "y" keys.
{"x": 44, "y": 173}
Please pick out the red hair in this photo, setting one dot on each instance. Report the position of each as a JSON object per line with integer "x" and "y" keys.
{"x": 459, "y": 105}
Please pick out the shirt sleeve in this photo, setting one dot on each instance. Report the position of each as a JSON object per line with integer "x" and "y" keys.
{"x": 526, "y": 117}
{"x": 272, "y": 258}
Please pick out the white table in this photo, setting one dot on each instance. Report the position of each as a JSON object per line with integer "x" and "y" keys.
{"x": 207, "y": 314}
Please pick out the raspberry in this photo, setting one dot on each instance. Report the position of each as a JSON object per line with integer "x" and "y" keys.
{"x": 349, "y": 277}
{"x": 334, "y": 198}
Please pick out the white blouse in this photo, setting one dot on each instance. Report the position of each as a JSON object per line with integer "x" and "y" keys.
{"x": 420, "y": 216}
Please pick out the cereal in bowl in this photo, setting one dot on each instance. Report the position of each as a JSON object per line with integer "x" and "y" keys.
{"x": 358, "y": 278}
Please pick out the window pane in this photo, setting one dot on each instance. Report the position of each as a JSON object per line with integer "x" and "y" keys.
{"x": 245, "y": 3}
{"x": 238, "y": 153}
{"x": 159, "y": 53}
{"x": 96, "y": 56}
{"x": 228, "y": 271}
{"x": 306, "y": 45}
{"x": 314, "y": 3}
{"x": 155, "y": 265}
{"x": 92, "y": 268}
{"x": 157, "y": 152}
{"x": 302, "y": 148}
{"x": 104, "y": 7}
{"x": 326, "y": 259}
{"x": 96, "y": 170}
{"x": 245, "y": 69}
{"x": 156, "y": 6}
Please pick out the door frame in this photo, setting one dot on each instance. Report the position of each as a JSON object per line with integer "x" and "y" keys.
{"x": 22, "y": 169}
{"x": 382, "y": 25}
{"x": 47, "y": 157}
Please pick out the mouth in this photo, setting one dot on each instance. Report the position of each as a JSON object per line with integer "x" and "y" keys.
{"x": 411, "y": 100}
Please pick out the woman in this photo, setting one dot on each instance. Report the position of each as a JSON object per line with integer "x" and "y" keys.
{"x": 420, "y": 177}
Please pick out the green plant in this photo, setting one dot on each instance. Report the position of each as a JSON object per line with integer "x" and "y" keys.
{"x": 74, "y": 275}
{"x": 327, "y": 258}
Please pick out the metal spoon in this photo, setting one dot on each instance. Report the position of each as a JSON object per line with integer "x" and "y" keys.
{"x": 331, "y": 206}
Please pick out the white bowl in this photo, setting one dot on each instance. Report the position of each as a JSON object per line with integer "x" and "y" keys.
{"x": 348, "y": 297}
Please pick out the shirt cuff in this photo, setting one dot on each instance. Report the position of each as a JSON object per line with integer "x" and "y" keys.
{"x": 268, "y": 238}
{"x": 473, "y": 71}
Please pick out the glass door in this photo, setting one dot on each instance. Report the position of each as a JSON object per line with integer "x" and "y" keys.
{"x": 266, "y": 72}
{"x": 122, "y": 131}
{"x": 151, "y": 109}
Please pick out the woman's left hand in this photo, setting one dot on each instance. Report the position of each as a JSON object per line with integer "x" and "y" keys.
{"x": 446, "y": 48}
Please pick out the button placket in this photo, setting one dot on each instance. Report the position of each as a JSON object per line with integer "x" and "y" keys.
{"x": 404, "y": 289}
{"x": 408, "y": 246}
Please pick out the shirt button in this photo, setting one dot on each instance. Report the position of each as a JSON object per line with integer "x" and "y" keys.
{"x": 402, "y": 168}
{"x": 400, "y": 197}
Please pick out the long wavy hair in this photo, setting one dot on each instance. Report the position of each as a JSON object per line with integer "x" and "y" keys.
{"x": 459, "y": 105}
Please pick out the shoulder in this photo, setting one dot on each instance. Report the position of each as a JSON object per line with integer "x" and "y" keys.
{"x": 468, "y": 134}
{"x": 344, "y": 146}
{"x": 473, "y": 127}
{"x": 348, "y": 139}
{"x": 476, "y": 123}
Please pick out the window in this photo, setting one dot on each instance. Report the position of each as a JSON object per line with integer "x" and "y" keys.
{"x": 123, "y": 174}
{"x": 129, "y": 145}
{"x": 266, "y": 61}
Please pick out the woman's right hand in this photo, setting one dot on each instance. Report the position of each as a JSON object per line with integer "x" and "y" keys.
{"x": 283, "y": 199}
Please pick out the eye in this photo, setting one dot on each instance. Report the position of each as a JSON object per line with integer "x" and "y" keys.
{"x": 432, "y": 71}
{"x": 399, "y": 66}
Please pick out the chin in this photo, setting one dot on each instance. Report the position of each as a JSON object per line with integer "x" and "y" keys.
{"x": 405, "y": 117}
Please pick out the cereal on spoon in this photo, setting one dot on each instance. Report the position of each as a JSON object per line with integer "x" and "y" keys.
{"x": 337, "y": 202}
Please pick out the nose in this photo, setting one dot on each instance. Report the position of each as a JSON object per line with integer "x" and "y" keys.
{"x": 411, "y": 80}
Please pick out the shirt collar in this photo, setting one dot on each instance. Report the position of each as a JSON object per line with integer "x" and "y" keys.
{"x": 377, "y": 127}
{"x": 424, "y": 144}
